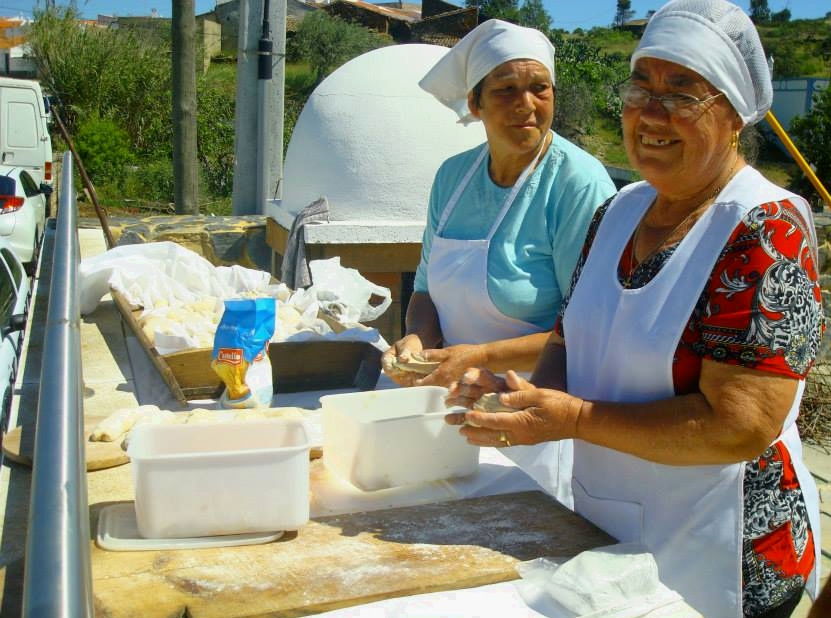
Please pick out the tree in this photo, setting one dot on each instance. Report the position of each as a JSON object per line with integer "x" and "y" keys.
{"x": 327, "y": 41}
{"x": 812, "y": 134}
{"x": 532, "y": 14}
{"x": 759, "y": 11}
{"x": 104, "y": 73}
{"x": 507, "y": 10}
{"x": 584, "y": 73}
{"x": 624, "y": 12}
{"x": 113, "y": 90}
{"x": 781, "y": 17}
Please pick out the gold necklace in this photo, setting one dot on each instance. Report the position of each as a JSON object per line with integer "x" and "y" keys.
{"x": 627, "y": 281}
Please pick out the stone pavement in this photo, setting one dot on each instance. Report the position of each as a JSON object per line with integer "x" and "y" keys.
{"x": 109, "y": 384}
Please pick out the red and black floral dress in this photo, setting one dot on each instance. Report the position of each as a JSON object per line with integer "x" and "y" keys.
{"x": 761, "y": 309}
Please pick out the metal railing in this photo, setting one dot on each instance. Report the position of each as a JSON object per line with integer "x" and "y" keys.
{"x": 57, "y": 579}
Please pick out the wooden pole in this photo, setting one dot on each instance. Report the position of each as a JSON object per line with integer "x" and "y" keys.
{"x": 800, "y": 160}
{"x": 102, "y": 216}
{"x": 185, "y": 176}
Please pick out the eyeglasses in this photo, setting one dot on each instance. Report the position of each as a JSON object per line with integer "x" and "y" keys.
{"x": 677, "y": 104}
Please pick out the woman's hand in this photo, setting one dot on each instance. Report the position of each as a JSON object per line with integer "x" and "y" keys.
{"x": 542, "y": 414}
{"x": 471, "y": 386}
{"x": 404, "y": 349}
{"x": 455, "y": 360}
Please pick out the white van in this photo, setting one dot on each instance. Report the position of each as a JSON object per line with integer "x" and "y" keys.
{"x": 24, "y": 130}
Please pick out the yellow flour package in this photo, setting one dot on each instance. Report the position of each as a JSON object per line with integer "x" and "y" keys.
{"x": 240, "y": 354}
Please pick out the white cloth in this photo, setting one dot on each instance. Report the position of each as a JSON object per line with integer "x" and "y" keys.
{"x": 620, "y": 348}
{"x": 457, "y": 276}
{"x": 617, "y": 581}
{"x": 703, "y": 36}
{"x": 160, "y": 274}
{"x": 484, "y": 48}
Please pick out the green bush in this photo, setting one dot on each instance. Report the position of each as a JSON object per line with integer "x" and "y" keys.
{"x": 585, "y": 76}
{"x": 215, "y": 140}
{"x": 326, "y": 42}
{"x": 109, "y": 73}
{"x": 150, "y": 181}
{"x": 104, "y": 148}
{"x": 812, "y": 134}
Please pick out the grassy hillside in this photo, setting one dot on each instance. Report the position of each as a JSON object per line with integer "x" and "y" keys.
{"x": 800, "y": 48}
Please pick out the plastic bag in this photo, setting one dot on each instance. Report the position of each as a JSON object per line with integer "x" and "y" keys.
{"x": 240, "y": 353}
{"x": 159, "y": 274}
{"x": 345, "y": 293}
{"x": 618, "y": 581}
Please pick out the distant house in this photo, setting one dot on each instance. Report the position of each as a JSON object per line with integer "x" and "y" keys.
{"x": 14, "y": 59}
{"x": 794, "y": 97}
{"x": 208, "y": 32}
{"x": 434, "y": 21}
{"x": 226, "y": 13}
{"x": 383, "y": 19}
{"x": 635, "y": 26}
{"x": 447, "y": 28}
{"x": 432, "y": 8}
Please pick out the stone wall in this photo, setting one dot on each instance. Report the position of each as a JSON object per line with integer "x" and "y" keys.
{"x": 223, "y": 241}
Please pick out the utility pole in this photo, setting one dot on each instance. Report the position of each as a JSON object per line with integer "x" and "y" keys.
{"x": 258, "y": 127}
{"x": 185, "y": 177}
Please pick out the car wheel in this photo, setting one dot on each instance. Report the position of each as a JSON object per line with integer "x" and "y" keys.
{"x": 5, "y": 415}
{"x": 6, "y": 412}
{"x": 32, "y": 267}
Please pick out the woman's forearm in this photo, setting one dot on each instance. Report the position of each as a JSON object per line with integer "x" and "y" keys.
{"x": 735, "y": 416}
{"x": 519, "y": 353}
{"x": 423, "y": 320}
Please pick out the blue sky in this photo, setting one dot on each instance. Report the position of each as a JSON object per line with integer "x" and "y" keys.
{"x": 567, "y": 14}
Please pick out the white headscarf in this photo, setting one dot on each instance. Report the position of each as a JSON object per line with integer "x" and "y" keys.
{"x": 483, "y": 49}
{"x": 718, "y": 41}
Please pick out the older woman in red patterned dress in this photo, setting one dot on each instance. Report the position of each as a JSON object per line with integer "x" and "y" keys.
{"x": 679, "y": 359}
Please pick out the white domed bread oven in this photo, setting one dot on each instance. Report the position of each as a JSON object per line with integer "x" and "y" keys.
{"x": 369, "y": 140}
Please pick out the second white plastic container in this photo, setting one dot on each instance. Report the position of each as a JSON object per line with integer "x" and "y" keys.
{"x": 388, "y": 438}
{"x": 220, "y": 478}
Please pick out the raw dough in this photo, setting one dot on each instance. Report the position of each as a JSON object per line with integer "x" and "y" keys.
{"x": 201, "y": 415}
{"x": 416, "y": 364}
{"x": 489, "y": 402}
{"x": 286, "y": 412}
{"x": 118, "y": 423}
{"x": 151, "y": 417}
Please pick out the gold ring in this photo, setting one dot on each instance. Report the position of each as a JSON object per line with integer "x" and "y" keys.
{"x": 503, "y": 437}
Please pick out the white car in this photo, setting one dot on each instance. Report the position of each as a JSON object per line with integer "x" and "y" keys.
{"x": 15, "y": 293}
{"x": 23, "y": 212}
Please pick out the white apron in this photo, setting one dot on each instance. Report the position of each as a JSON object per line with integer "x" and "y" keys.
{"x": 689, "y": 517}
{"x": 457, "y": 278}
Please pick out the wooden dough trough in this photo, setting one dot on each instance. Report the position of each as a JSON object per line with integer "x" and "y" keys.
{"x": 296, "y": 365}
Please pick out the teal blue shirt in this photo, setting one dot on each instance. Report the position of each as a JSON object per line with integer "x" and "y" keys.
{"x": 535, "y": 249}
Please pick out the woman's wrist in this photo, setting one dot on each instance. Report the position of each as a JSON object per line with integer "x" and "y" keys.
{"x": 578, "y": 408}
{"x": 484, "y": 353}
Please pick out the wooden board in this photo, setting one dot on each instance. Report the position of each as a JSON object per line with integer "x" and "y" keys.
{"x": 19, "y": 446}
{"x": 344, "y": 560}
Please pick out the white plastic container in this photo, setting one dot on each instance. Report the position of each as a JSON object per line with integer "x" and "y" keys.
{"x": 389, "y": 438}
{"x": 220, "y": 478}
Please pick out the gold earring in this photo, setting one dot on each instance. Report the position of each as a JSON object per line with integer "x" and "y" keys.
{"x": 734, "y": 141}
